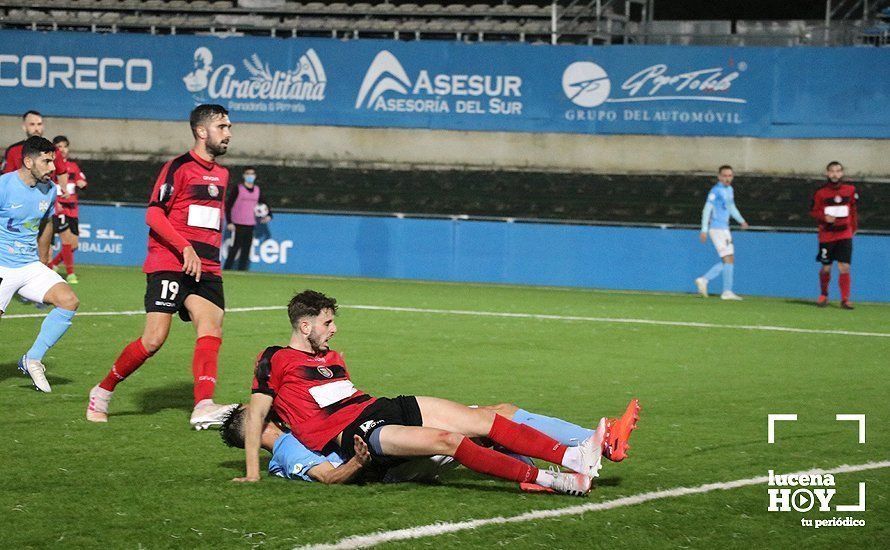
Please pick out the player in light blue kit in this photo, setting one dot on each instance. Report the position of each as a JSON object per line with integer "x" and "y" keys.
{"x": 26, "y": 203}
{"x": 715, "y": 223}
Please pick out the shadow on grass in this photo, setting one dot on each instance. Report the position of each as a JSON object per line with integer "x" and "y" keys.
{"x": 810, "y": 303}
{"x": 176, "y": 396}
{"x": 11, "y": 371}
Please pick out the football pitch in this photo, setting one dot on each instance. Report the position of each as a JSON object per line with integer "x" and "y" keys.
{"x": 707, "y": 374}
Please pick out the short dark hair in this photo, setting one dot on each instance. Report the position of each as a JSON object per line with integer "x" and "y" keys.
{"x": 232, "y": 431}
{"x": 833, "y": 163}
{"x": 203, "y": 113}
{"x": 246, "y": 168}
{"x": 24, "y": 116}
{"x": 724, "y": 167}
{"x": 308, "y": 303}
{"x": 60, "y": 139}
{"x": 35, "y": 146}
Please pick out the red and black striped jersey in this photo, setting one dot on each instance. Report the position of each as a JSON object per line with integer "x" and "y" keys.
{"x": 840, "y": 202}
{"x": 68, "y": 207}
{"x": 311, "y": 392}
{"x": 190, "y": 191}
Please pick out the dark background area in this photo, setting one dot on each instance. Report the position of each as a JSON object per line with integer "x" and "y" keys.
{"x": 670, "y": 199}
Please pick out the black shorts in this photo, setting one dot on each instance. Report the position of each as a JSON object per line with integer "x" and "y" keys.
{"x": 400, "y": 411}
{"x": 166, "y": 291}
{"x": 835, "y": 251}
{"x": 63, "y": 222}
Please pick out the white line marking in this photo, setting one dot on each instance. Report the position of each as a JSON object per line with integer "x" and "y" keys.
{"x": 771, "y": 420}
{"x": 364, "y": 541}
{"x": 617, "y": 320}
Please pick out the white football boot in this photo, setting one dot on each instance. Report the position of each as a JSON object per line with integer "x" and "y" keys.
{"x": 97, "y": 409}
{"x": 591, "y": 450}
{"x": 210, "y": 415}
{"x": 571, "y": 483}
{"x": 730, "y": 295}
{"x": 37, "y": 372}
{"x": 702, "y": 285}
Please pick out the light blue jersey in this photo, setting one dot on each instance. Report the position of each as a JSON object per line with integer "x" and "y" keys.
{"x": 291, "y": 459}
{"x": 719, "y": 207}
{"x": 21, "y": 209}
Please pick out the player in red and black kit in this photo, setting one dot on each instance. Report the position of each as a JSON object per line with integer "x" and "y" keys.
{"x": 182, "y": 266}
{"x": 834, "y": 206}
{"x": 32, "y": 124}
{"x": 66, "y": 221}
{"x": 309, "y": 388}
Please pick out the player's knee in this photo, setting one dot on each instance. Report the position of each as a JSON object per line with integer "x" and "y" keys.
{"x": 68, "y": 301}
{"x": 152, "y": 342}
{"x": 505, "y": 409}
{"x": 446, "y": 443}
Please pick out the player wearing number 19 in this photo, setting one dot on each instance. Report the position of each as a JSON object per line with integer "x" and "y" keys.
{"x": 182, "y": 267}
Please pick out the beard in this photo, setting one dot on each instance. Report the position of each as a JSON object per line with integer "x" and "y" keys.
{"x": 316, "y": 343}
{"x": 217, "y": 149}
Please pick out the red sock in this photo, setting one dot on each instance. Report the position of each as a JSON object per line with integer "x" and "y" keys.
{"x": 843, "y": 281}
{"x": 67, "y": 254}
{"x": 56, "y": 260}
{"x": 525, "y": 440}
{"x": 488, "y": 461}
{"x": 129, "y": 360}
{"x": 824, "y": 279}
{"x": 204, "y": 366}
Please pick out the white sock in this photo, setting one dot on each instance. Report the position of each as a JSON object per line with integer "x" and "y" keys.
{"x": 203, "y": 402}
{"x": 572, "y": 459}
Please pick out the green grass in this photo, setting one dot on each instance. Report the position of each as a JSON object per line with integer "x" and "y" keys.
{"x": 145, "y": 480}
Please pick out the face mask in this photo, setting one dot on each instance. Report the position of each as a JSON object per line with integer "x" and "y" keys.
{"x": 249, "y": 178}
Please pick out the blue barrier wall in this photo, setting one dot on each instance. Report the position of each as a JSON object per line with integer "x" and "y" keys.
{"x": 668, "y": 90}
{"x": 769, "y": 264}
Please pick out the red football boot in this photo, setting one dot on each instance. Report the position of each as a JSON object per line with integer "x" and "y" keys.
{"x": 618, "y": 432}
{"x": 822, "y": 301}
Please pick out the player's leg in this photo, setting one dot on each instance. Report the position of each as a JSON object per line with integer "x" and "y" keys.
{"x": 844, "y": 256}
{"x": 207, "y": 317}
{"x": 521, "y": 439}
{"x": 46, "y": 286}
{"x": 246, "y": 245}
{"x": 408, "y": 441}
{"x": 57, "y": 227}
{"x": 69, "y": 245}
{"x": 824, "y": 258}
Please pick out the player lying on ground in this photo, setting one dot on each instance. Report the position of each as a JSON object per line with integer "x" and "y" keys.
{"x": 309, "y": 387}
{"x": 292, "y": 460}
{"x": 26, "y": 201}
{"x": 182, "y": 268}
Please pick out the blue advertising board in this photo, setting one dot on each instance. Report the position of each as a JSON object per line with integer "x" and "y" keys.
{"x": 777, "y": 264}
{"x": 662, "y": 90}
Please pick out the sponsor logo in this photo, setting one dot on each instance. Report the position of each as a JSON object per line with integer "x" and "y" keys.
{"x": 75, "y": 73}
{"x": 326, "y": 372}
{"x": 260, "y": 87}
{"x": 387, "y": 87}
{"x": 586, "y": 84}
{"x": 590, "y": 87}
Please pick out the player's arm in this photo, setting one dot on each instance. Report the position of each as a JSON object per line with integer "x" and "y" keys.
{"x": 260, "y": 403}
{"x": 706, "y": 219}
{"x": 329, "y": 474}
{"x": 81, "y": 179}
{"x": 816, "y": 210}
{"x": 45, "y": 238}
{"x": 854, "y": 211}
{"x": 736, "y": 215}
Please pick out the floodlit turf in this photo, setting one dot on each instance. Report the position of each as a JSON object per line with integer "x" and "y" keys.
{"x": 145, "y": 480}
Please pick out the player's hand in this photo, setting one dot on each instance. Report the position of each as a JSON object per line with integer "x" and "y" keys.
{"x": 191, "y": 263}
{"x": 81, "y": 184}
{"x": 231, "y": 227}
{"x": 246, "y": 479}
{"x": 362, "y": 454}
{"x": 703, "y": 237}
{"x": 829, "y": 219}
{"x": 745, "y": 225}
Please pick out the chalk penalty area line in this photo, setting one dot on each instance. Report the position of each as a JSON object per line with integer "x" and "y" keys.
{"x": 508, "y": 315}
{"x": 436, "y": 529}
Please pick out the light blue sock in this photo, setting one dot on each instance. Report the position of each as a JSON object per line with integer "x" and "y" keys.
{"x": 54, "y": 326}
{"x": 714, "y": 271}
{"x": 560, "y": 430}
{"x": 727, "y": 277}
